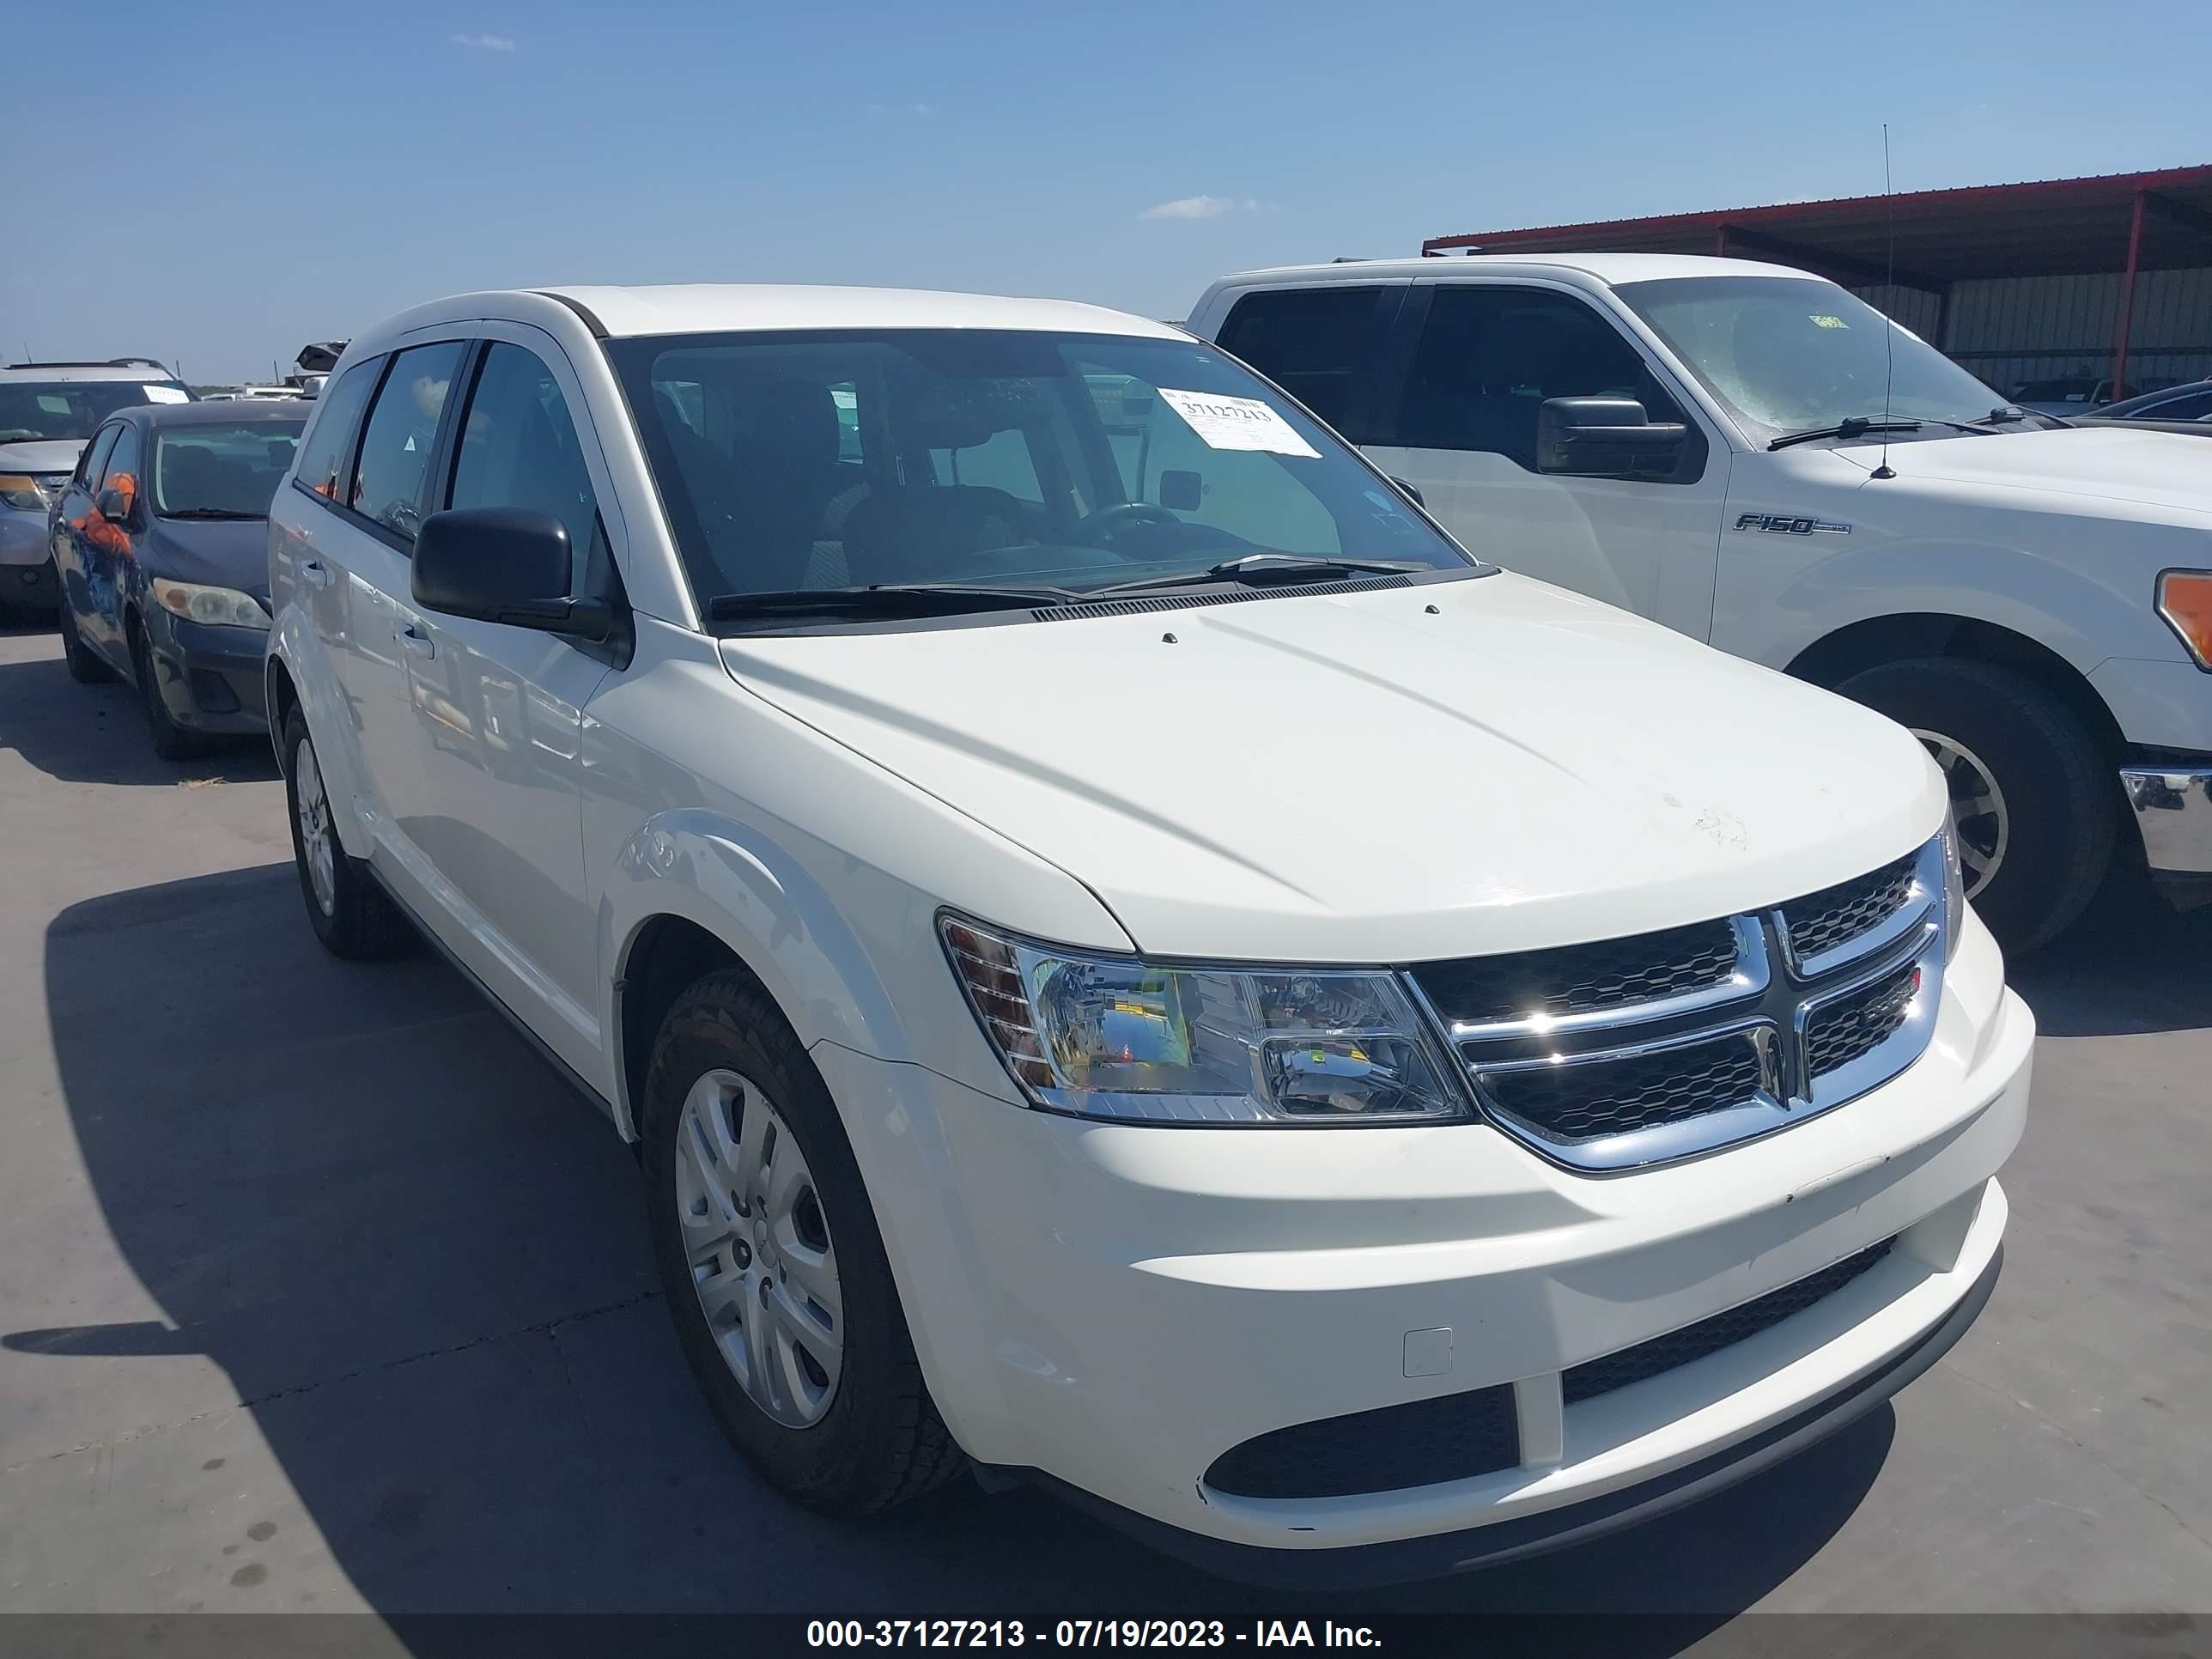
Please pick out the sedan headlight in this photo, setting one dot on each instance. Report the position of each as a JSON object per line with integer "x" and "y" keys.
{"x": 1954, "y": 891}
{"x": 21, "y": 491}
{"x": 223, "y": 607}
{"x": 2185, "y": 599}
{"x": 1138, "y": 1041}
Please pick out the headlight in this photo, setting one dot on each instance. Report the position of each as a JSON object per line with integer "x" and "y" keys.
{"x": 1954, "y": 891}
{"x": 1116, "y": 1037}
{"x": 224, "y": 607}
{"x": 21, "y": 491}
{"x": 2185, "y": 599}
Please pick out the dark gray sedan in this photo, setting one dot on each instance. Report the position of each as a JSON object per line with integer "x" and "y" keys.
{"x": 2186, "y": 408}
{"x": 161, "y": 540}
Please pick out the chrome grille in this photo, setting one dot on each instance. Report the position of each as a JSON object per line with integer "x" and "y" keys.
{"x": 1615, "y": 1097}
{"x": 1634, "y": 1051}
{"x": 1579, "y": 979}
{"x": 51, "y": 485}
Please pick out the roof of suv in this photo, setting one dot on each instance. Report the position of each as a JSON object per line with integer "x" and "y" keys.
{"x": 720, "y": 307}
{"x": 1610, "y": 269}
{"x": 148, "y": 370}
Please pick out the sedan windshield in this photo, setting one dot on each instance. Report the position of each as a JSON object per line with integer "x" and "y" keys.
{"x": 1789, "y": 354}
{"x": 854, "y": 464}
{"x": 223, "y": 471}
{"x": 33, "y": 410}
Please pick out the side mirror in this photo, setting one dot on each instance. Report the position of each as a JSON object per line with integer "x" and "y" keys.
{"x": 503, "y": 564}
{"x": 115, "y": 507}
{"x": 1410, "y": 489}
{"x": 1606, "y": 438}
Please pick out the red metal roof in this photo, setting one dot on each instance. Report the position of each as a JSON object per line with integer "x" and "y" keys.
{"x": 2054, "y": 227}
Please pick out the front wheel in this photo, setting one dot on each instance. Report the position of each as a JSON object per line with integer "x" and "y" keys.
{"x": 773, "y": 1267}
{"x": 2033, "y": 797}
{"x": 172, "y": 742}
{"x": 85, "y": 667}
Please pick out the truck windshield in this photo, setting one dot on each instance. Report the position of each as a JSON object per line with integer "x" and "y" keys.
{"x": 849, "y": 464}
{"x": 1788, "y": 354}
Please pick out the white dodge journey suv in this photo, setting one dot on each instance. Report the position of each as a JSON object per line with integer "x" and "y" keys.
{"x": 1132, "y": 960}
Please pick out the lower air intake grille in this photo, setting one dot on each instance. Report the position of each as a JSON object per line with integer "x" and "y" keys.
{"x": 1599, "y": 1097}
{"x": 1709, "y": 1336}
{"x": 1419, "y": 1444}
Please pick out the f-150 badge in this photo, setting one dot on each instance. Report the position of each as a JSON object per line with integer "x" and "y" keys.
{"x": 1784, "y": 524}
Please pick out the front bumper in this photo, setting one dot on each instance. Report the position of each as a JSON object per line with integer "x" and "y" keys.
{"x": 211, "y": 678}
{"x": 32, "y": 585}
{"x": 1117, "y": 1306}
{"x": 2174, "y": 809}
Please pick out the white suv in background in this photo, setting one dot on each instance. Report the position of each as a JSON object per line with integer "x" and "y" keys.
{"x": 1746, "y": 454}
{"x": 1131, "y": 957}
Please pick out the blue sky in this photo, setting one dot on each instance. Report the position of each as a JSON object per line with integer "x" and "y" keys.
{"x": 223, "y": 182}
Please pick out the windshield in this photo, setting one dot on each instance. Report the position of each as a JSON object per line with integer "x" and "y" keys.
{"x": 1796, "y": 355}
{"x": 33, "y": 410}
{"x": 223, "y": 471}
{"x": 844, "y": 460}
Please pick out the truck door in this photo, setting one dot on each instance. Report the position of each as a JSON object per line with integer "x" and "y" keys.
{"x": 1459, "y": 421}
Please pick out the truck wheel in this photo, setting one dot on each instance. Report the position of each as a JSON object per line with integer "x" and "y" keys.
{"x": 354, "y": 917}
{"x": 773, "y": 1267}
{"x": 2031, "y": 793}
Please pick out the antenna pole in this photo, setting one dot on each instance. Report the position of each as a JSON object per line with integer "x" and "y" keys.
{"x": 1889, "y": 298}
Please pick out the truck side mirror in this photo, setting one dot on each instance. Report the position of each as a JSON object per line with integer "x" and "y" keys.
{"x": 1606, "y": 438}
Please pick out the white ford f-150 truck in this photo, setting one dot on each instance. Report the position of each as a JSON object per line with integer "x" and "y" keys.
{"x": 1744, "y": 452}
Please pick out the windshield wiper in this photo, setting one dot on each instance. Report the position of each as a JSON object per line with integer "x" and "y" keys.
{"x": 210, "y": 513}
{"x": 1856, "y": 427}
{"x": 1260, "y": 568}
{"x": 882, "y": 600}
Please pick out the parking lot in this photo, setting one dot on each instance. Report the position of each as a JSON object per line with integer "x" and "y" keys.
{"x": 317, "y": 1291}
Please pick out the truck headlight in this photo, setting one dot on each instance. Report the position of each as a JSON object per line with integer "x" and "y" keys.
{"x": 1120, "y": 1038}
{"x": 222, "y": 607}
{"x": 2185, "y": 599}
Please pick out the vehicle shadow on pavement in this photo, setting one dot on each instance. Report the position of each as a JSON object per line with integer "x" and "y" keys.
{"x": 2133, "y": 964}
{"x": 421, "y": 1262}
{"x": 38, "y": 721}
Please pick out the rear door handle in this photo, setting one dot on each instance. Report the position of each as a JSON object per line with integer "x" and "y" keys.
{"x": 314, "y": 573}
{"x": 415, "y": 643}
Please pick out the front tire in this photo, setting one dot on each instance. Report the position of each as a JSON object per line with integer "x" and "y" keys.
{"x": 84, "y": 666}
{"x": 2032, "y": 794}
{"x": 772, "y": 1264}
{"x": 172, "y": 742}
{"x": 354, "y": 917}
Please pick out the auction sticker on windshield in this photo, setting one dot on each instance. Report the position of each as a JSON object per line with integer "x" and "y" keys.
{"x": 1237, "y": 423}
{"x": 164, "y": 394}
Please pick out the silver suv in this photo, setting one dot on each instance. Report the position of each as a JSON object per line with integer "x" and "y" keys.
{"x": 47, "y": 411}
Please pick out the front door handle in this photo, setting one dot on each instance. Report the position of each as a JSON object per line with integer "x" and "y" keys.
{"x": 415, "y": 643}
{"x": 314, "y": 573}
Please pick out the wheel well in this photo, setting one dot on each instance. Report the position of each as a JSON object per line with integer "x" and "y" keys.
{"x": 669, "y": 956}
{"x": 1831, "y": 661}
{"x": 283, "y": 697}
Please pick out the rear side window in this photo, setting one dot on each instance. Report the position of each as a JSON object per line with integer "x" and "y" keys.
{"x": 327, "y": 454}
{"x": 2196, "y": 408}
{"x": 1488, "y": 358}
{"x": 1311, "y": 341}
{"x": 518, "y": 447}
{"x": 94, "y": 457}
{"x": 396, "y": 444}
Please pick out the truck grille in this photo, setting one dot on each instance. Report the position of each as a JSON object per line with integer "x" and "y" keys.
{"x": 1709, "y": 1336}
{"x": 1635, "y": 1051}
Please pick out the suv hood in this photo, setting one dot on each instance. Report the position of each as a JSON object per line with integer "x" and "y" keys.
{"x": 41, "y": 455}
{"x": 1352, "y": 779}
{"x": 2151, "y": 469}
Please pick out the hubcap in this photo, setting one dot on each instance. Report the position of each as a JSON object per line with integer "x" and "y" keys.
{"x": 759, "y": 1250}
{"x": 1980, "y": 817}
{"x": 316, "y": 844}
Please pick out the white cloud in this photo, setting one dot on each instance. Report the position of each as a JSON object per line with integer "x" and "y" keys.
{"x": 485, "y": 42}
{"x": 1198, "y": 206}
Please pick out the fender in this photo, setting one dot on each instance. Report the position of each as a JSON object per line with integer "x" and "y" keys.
{"x": 292, "y": 642}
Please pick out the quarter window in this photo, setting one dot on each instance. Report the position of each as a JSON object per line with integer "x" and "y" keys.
{"x": 402, "y": 426}
{"x": 326, "y": 456}
{"x": 518, "y": 447}
{"x": 1311, "y": 341}
{"x": 1488, "y": 358}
